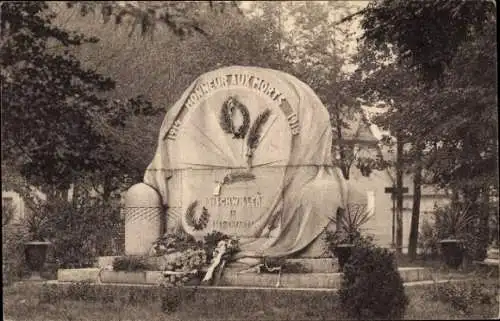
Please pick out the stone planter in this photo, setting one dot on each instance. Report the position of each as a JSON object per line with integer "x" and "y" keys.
{"x": 343, "y": 253}
{"x": 35, "y": 253}
{"x": 453, "y": 252}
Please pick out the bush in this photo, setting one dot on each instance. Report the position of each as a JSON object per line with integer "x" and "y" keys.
{"x": 463, "y": 296}
{"x": 78, "y": 230}
{"x": 14, "y": 236}
{"x": 13, "y": 260}
{"x": 371, "y": 286}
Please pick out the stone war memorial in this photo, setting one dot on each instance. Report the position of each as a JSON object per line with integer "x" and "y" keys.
{"x": 245, "y": 152}
{"x": 248, "y": 150}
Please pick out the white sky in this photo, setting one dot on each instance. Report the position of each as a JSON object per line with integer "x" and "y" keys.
{"x": 354, "y": 27}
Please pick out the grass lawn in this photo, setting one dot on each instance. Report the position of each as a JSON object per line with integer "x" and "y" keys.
{"x": 22, "y": 302}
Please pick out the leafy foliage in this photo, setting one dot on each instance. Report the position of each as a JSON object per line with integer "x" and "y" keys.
{"x": 48, "y": 99}
{"x": 427, "y": 34}
{"x": 80, "y": 230}
{"x": 13, "y": 259}
{"x": 349, "y": 224}
{"x": 458, "y": 222}
{"x": 372, "y": 287}
{"x": 404, "y": 40}
{"x": 37, "y": 223}
{"x": 453, "y": 221}
{"x": 182, "y": 18}
{"x": 57, "y": 126}
{"x": 431, "y": 62}
{"x": 316, "y": 52}
{"x": 463, "y": 296}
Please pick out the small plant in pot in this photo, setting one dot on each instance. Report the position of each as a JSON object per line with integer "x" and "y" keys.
{"x": 348, "y": 232}
{"x": 35, "y": 250}
{"x": 452, "y": 224}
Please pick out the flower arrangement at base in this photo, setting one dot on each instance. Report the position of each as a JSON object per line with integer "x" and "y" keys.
{"x": 174, "y": 242}
{"x": 184, "y": 258}
{"x": 225, "y": 249}
{"x": 184, "y": 268}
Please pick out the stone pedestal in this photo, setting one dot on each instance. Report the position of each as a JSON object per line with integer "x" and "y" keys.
{"x": 143, "y": 211}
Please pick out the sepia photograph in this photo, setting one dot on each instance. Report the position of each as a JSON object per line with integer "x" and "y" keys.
{"x": 249, "y": 160}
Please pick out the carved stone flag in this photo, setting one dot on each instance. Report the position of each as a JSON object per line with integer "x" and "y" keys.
{"x": 246, "y": 152}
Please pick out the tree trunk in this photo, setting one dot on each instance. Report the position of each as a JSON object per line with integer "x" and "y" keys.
{"x": 415, "y": 213}
{"x": 399, "y": 195}
{"x": 344, "y": 167}
{"x": 106, "y": 189}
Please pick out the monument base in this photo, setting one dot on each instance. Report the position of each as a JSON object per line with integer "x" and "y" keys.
{"x": 322, "y": 274}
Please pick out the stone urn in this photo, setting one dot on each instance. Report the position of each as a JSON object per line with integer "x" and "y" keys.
{"x": 453, "y": 252}
{"x": 343, "y": 253}
{"x": 36, "y": 253}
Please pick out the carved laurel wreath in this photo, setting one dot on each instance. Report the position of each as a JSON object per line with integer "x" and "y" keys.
{"x": 256, "y": 131}
{"x": 226, "y": 118}
{"x": 200, "y": 223}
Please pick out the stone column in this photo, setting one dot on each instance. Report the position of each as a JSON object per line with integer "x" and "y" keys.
{"x": 143, "y": 210}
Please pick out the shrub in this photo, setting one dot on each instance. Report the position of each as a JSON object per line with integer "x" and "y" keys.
{"x": 14, "y": 235}
{"x": 371, "y": 286}
{"x": 131, "y": 263}
{"x": 463, "y": 296}
{"x": 77, "y": 229}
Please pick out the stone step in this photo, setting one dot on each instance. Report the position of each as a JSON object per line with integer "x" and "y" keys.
{"x": 306, "y": 280}
{"x": 319, "y": 265}
{"x": 231, "y": 278}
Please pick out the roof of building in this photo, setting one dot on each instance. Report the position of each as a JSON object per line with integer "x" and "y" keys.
{"x": 359, "y": 131}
